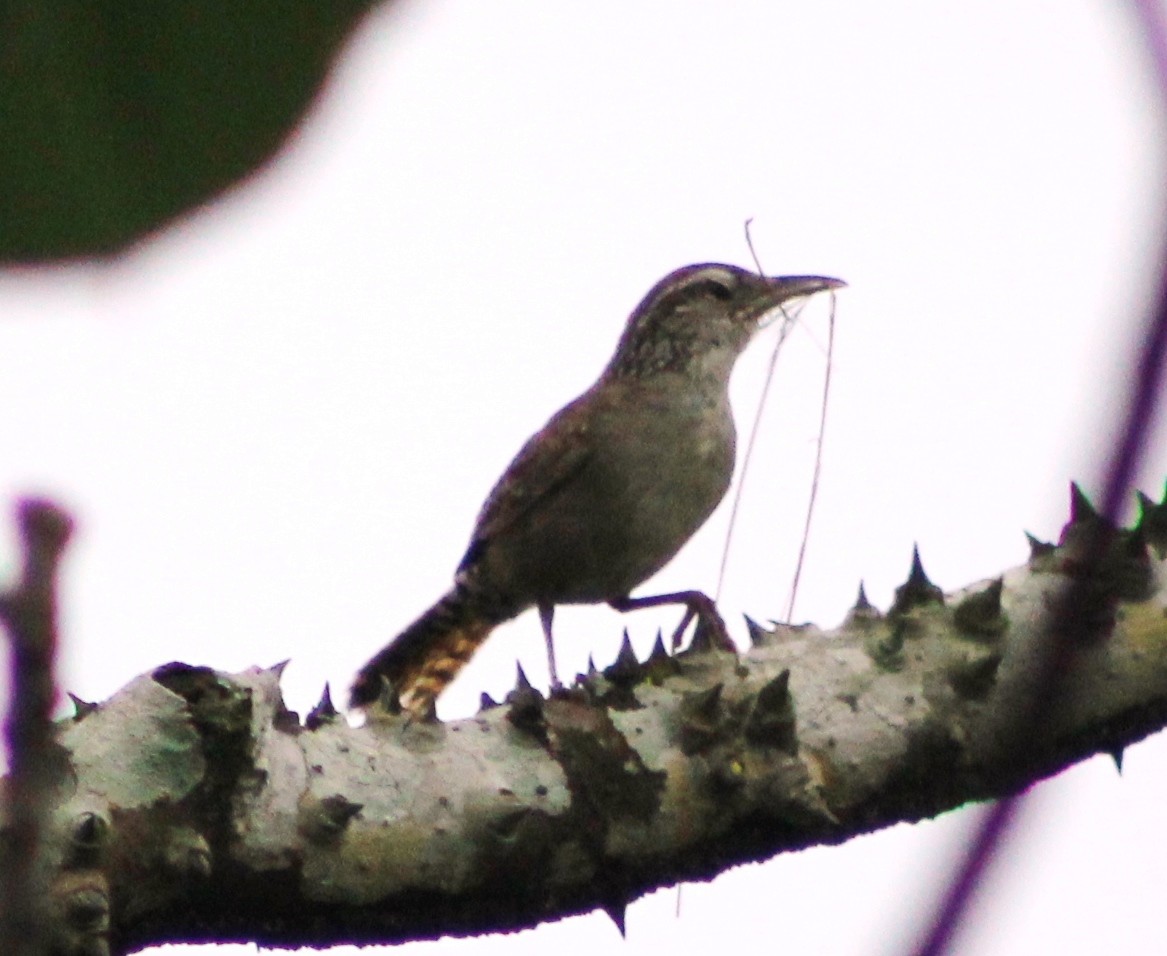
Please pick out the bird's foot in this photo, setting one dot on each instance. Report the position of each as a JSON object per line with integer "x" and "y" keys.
{"x": 710, "y": 632}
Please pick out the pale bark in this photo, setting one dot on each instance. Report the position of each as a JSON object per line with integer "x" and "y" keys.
{"x": 193, "y": 806}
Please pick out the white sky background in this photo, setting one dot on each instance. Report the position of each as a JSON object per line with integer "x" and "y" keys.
{"x": 276, "y": 424}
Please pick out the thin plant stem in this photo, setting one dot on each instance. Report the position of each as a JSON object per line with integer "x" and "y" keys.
{"x": 818, "y": 462}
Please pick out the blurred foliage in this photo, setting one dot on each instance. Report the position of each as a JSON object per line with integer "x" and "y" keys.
{"x": 116, "y": 116}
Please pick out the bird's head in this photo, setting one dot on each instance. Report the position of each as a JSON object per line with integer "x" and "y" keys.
{"x": 703, "y": 317}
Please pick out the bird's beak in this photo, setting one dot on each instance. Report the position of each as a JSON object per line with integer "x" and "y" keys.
{"x": 784, "y": 288}
{"x": 781, "y": 289}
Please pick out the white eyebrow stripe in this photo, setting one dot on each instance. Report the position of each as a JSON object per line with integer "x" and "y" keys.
{"x": 714, "y": 273}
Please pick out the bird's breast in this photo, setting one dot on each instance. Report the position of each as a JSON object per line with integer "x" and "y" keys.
{"x": 662, "y": 472}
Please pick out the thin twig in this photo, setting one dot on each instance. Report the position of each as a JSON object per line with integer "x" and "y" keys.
{"x": 818, "y": 462}
{"x": 753, "y": 253}
{"x": 788, "y": 320}
{"x": 29, "y": 615}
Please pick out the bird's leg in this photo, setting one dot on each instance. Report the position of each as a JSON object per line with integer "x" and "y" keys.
{"x": 699, "y": 605}
{"x": 546, "y": 613}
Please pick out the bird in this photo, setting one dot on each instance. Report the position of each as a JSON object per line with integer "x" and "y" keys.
{"x": 607, "y": 491}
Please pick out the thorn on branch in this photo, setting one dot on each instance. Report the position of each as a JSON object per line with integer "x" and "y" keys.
{"x": 616, "y": 911}
{"x": 916, "y": 591}
{"x": 1153, "y": 523}
{"x": 1116, "y": 756}
{"x": 526, "y": 706}
{"x": 87, "y": 841}
{"x": 324, "y": 820}
{"x": 979, "y": 615}
{"x": 772, "y": 721}
{"x": 973, "y": 677}
{"x": 863, "y": 613}
{"x": 626, "y": 669}
{"x": 1081, "y": 510}
{"x": 1040, "y": 553}
{"x": 324, "y": 712}
{"x": 701, "y": 719}
{"x": 81, "y": 708}
{"x": 758, "y": 634}
{"x": 388, "y": 699}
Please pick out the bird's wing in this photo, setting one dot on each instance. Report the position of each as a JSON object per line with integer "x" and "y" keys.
{"x": 548, "y": 461}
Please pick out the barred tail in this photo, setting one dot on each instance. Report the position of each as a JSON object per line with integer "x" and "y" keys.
{"x": 427, "y": 655}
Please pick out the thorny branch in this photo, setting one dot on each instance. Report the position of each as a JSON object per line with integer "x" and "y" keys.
{"x": 195, "y": 807}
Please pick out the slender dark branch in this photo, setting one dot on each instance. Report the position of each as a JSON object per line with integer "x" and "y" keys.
{"x": 29, "y": 614}
{"x": 1067, "y": 619}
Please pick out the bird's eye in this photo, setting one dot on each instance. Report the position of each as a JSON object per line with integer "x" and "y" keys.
{"x": 718, "y": 289}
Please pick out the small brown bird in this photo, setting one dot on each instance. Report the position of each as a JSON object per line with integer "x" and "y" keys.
{"x": 605, "y": 494}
